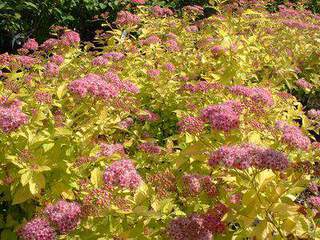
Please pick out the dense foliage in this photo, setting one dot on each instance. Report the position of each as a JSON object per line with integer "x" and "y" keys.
{"x": 173, "y": 128}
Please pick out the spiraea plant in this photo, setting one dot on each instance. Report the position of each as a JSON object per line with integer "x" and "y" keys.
{"x": 173, "y": 127}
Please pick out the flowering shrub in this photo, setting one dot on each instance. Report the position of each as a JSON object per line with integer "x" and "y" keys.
{"x": 162, "y": 132}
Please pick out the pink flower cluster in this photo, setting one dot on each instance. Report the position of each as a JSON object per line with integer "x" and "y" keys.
{"x": 217, "y": 50}
{"x": 257, "y": 95}
{"x": 314, "y": 114}
{"x": 94, "y": 85}
{"x": 172, "y": 45}
{"x": 121, "y": 85}
{"x": 122, "y": 173}
{"x": 114, "y": 56}
{"x": 153, "y": 73}
{"x": 249, "y": 155}
{"x": 314, "y": 201}
{"x": 202, "y": 86}
{"x": 51, "y": 69}
{"x": 109, "y": 149}
{"x": 125, "y": 18}
{"x": 43, "y": 97}
{"x": 302, "y": 83}
{"x": 191, "y": 125}
{"x": 158, "y": 11}
{"x": 153, "y": 39}
{"x": 149, "y": 147}
{"x": 65, "y": 216}
{"x": 5, "y": 59}
{"x": 224, "y": 116}
{"x": 49, "y": 44}
{"x": 31, "y": 44}
{"x": 148, "y": 116}
{"x": 70, "y": 38}
{"x": 37, "y": 229}
{"x": 293, "y": 136}
{"x": 57, "y": 59}
{"x": 27, "y": 61}
{"x": 195, "y": 184}
{"x": 11, "y": 116}
{"x": 100, "y": 61}
{"x": 195, "y": 227}
{"x": 170, "y": 67}
{"x": 195, "y": 9}
{"x": 126, "y": 123}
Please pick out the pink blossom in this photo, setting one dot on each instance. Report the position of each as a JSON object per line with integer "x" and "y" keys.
{"x": 70, "y": 38}
{"x": 192, "y": 28}
{"x": 191, "y": 125}
{"x": 314, "y": 201}
{"x": 236, "y": 198}
{"x": 100, "y": 61}
{"x": 158, "y": 11}
{"x": 249, "y": 155}
{"x": 302, "y": 83}
{"x": 126, "y": 123}
{"x": 125, "y": 18}
{"x": 57, "y": 59}
{"x": 151, "y": 148}
{"x": 217, "y": 50}
{"x": 51, "y": 69}
{"x": 27, "y": 61}
{"x": 123, "y": 174}
{"x": 114, "y": 56}
{"x": 108, "y": 150}
{"x": 195, "y": 9}
{"x": 49, "y": 44}
{"x": 94, "y": 85}
{"x": 37, "y": 229}
{"x": 153, "y": 39}
{"x": 65, "y": 216}
{"x": 11, "y": 116}
{"x": 170, "y": 67}
{"x": 43, "y": 97}
{"x": 172, "y": 45}
{"x": 148, "y": 116}
{"x": 194, "y": 184}
{"x": 224, "y": 117}
{"x": 314, "y": 114}
{"x": 153, "y": 73}
{"x": 293, "y": 136}
{"x": 31, "y": 44}
{"x": 5, "y": 59}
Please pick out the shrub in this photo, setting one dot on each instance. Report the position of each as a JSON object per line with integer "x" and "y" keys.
{"x": 110, "y": 142}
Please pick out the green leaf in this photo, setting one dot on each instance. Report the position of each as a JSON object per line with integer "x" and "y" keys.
{"x": 21, "y": 195}
{"x": 25, "y": 178}
{"x": 96, "y": 177}
{"x": 36, "y": 183}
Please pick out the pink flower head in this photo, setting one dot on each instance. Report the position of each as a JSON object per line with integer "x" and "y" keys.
{"x": 257, "y": 95}
{"x": 153, "y": 73}
{"x": 314, "y": 114}
{"x": 57, "y": 59}
{"x": 70, "y": 38}
{"x": 224, "y": 117}
{"x": 293, "y": 136}
{"x": 138, "y": 1}
{"x": 49, "y": 44}
{"x": 170, "y": 67}
{"x": 51, "y": 69}
{"x": 123, "y": 174}
{"x": 5, "y": 59}
{"x": 126, "y": 123}
{"x": 302, "y": 83}
{"x": 108, "y": 150}
{"x": 236, "y": 198}
{"x": 195, "y": 9}
{"x": 11, "y": 116}
{"x": 191, "y": 125}
{"x": 249, "y": 155}
{"x": 43, "y": 97}
{"x": 153, "y": 39}
{"x": 94, "y": 85}
{"x": 148, "y": 116}
{"x": 217, "y": 50}
{"x": 65, "y": 216}
{"x": 27, "y": 61}
{"x": 100, "y": 61}
{"x": 172, "y": 45}
{"x": 31, "y": 44}
{"x": 125, "y": 18}
{"x": 192, "y": 28}
{"x": 195, "y": 227}
{"x": 114, "y": 56}
{"x": 314, "y": 201}
{"x": 37, "y": 229}
{"x": 194, "y": 184}
{"x": 151, "y": 148}
{"x": 158, "y": 11}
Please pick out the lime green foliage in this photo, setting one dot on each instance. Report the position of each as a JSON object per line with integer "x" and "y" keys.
{"x": 57, "y": 153}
